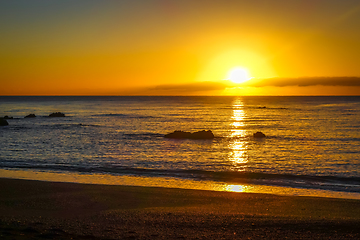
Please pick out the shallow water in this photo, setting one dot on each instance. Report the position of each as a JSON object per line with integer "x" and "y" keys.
{"x": 312, "y": 143}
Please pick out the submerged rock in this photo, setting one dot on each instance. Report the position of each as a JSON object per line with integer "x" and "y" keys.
{"x": 3, "y": 122}
{"x": 259, "y": 135}
{"x": 188, "y": 135}
{"x": 57, "y": 114}
{"x": 30, "y": 116}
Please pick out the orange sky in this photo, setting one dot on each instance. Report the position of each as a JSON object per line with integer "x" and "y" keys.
{"x": 179, "y": 47}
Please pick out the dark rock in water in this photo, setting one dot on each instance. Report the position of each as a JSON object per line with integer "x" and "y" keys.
{"x": 188, "y": 135}
{"x": 30, "y": 116}
{"x": 57, "y": 114}
{"x": 7, "y": 117}
{"x": 202, "y": 135}
{"x": 3, "y": 122}
{"x": 178, "y": 134}
{"x": 259, "y": 135}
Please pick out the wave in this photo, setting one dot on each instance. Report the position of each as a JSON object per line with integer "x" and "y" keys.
{"x": 254, "y": 107}
{"x": 312, "y": 139}
{"x": 150, "y": 135}
{"x": 334, "y": 183}
{"x": 51, "y": 126}
{"x": 142, "y": 136}
{"x": 120, "y": 115}
{"x": 109, "y": 115}
{"x": 265, "y": 107}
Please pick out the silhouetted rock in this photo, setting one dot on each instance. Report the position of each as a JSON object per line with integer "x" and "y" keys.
{"x": 30, "y": 116}
{"x": 3, "y": 122}
{"x": 259, "y": 135}
{"x": 57, "y": 114}
{"x": 7, "y": 117}
{"x": 202, "y": 135}
{"x": 188, "y": 135}
{"x": 178, "y": 134}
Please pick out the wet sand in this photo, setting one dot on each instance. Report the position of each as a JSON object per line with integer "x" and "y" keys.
{"x": 51, "y": 210}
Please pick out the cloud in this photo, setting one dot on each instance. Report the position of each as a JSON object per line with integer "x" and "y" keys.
{"x": 305, "y": 81}
{"x": 192, "y": 87}
{"x": 217, "y": 88}
{"x": 197, "y": 88}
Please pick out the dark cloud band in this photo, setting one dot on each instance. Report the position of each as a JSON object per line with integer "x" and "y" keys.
{"x": 305, "y": 81}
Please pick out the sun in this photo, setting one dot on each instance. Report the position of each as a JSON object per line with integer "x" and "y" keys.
{"x": 238, "y": 75}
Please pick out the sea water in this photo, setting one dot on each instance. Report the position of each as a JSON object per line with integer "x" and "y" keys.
{"x": 312, "y": 144}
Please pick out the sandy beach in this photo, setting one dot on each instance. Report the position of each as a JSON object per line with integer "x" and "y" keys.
{"x": 52, "y": 210}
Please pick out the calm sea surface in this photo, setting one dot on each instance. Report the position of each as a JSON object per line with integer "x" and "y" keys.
{"x": 312, "y": 143}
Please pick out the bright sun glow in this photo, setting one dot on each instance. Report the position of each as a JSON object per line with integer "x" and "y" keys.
{"x": 238, "y": 75}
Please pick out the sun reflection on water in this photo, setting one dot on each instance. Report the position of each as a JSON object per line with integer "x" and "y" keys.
{"x": 238, "y": 134}
{"x": 236, "y": 188}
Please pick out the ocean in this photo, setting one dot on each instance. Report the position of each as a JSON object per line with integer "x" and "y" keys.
{"x": 312, "y": 144}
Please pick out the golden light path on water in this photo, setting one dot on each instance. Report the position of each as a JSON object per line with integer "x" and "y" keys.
{"x": 106, "y": 179}
{"x": 238, "y": 146}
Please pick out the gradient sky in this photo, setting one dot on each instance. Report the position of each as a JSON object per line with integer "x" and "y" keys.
{"x": 159, "y": 47}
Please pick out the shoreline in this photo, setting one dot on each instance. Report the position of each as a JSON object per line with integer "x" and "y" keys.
{"x": 36, "y": 209}
{"x": 106, "y": 179}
